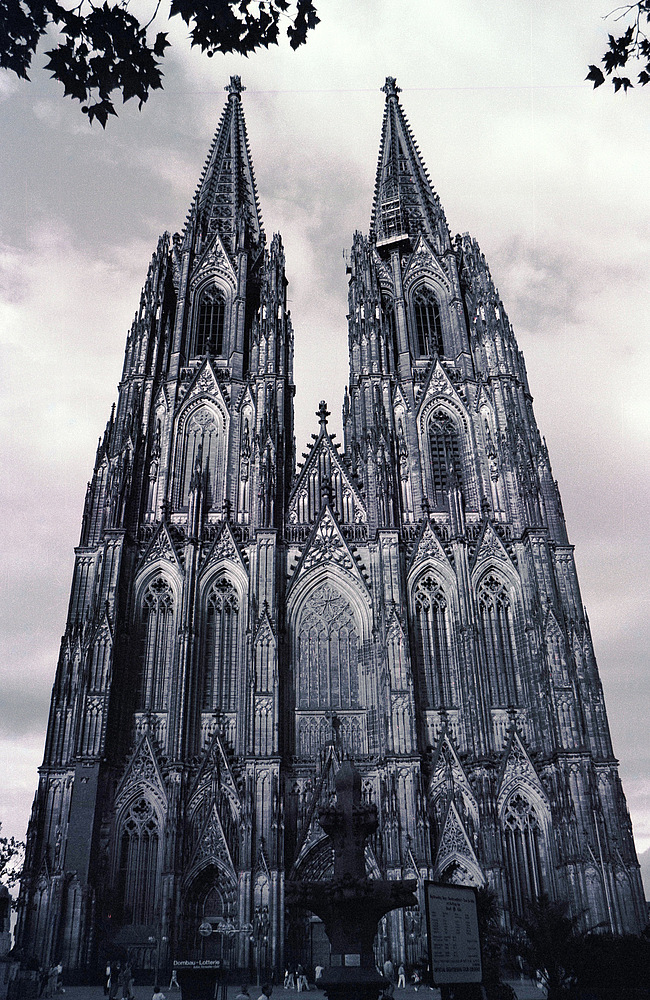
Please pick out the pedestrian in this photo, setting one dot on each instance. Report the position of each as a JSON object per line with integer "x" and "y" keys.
{"x": 243, "y": 993}
{"x": 158, "y": 993}
{"x": 173, "y": 982}
{"x": 401, "y": 977}
{"x": 114, "y": 985}
{"x": 389, "y": 970}
{"x": 300, "y": 972}
{"x": 267, "y": 990}
{"x": 318, "y": 973}
{"x": 417, "y": 979}
{"x": 107, "y": 979}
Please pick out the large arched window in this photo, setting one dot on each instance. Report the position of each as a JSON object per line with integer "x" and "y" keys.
{"x": 445, "y": 458}
{"x": 524, "y": 846}
{"x": 428, "y": 323}
{"x": 221, "y": 648}
{"x": 199, "y": 456}
{"x": 138, "y": 863}
{"x": 158, "y": 644}
{"x": 328, "y": 650}
{"x": 210, "y": 323}
{"x": 499, "y": 643}
{"x": 432, "y": 628}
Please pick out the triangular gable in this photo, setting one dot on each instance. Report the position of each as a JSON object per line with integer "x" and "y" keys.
{"x": 205, "y": 383}
{"x": 394, "y": 624}
{"x": 483, "y": 397}
{"x": 262, "y": 865}
{"x": 399, "y": 399}
{"x": 161, "y": 546}
{"x": 215, "y": 767}
{"x": 517, "y": 771}
{"x": 161, "y": 400}
{"x": 326, "y": 545}
{"x": 224, "y": 547}
{"x": 104, "y": 628}
{"x": 264, "y": 630}
{"x": 438, "y": 384}
{"x": 143, "y": 770}
{"x": 455, "y": 844}
{"x": 212, "y": 845}
{"x": 448, "y": 774}
{"x": 428, "y": 546}
{"x": 552, "y": 628}
{"x": 246, "y": 399}
{"x": 312, "y": 832}
{"x": 214, "y": 260}
{"x": 424, "y": 258}
{"x": 490, "y": 546}
{"x": 324, "y": 443}
{"x": 383, "y": 271}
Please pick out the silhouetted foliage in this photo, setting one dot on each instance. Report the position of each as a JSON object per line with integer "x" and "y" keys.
{"x": 12, "y": 853}
{"x": 487, "y": 913}
{"x": 630, "y": 46}
{"x": 104, "y": 50}
{"x": 612, "y": 967}
{"x": 545, "y": 939}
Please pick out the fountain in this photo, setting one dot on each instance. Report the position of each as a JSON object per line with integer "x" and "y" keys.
{"x": 351, "y": 905}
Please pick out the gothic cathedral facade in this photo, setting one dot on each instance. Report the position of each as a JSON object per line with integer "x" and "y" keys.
{"x": 238, "y": 624}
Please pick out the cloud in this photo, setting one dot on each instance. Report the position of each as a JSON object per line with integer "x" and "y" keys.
{"x": 547, "y": 175}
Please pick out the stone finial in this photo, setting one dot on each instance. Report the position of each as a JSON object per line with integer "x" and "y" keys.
{"x": 390, "y": 88}
{"x": 323, "y": 413}
{"x": 235, "y": 87}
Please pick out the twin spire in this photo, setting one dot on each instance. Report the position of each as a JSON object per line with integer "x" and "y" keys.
{"x": 404, "y": 204}
{"x": 227, "y": 202}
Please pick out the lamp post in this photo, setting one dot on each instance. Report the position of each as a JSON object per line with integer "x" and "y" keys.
{"x": 228, "y": 931}
{"x": 260, "y": 937}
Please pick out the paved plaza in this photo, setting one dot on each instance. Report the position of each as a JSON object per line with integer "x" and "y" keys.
{"x": 525, "y": 990}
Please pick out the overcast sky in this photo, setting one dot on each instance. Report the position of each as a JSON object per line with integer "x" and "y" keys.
{"x": 549, "y": 176}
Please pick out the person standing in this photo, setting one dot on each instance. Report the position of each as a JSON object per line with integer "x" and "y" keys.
{"x": 267, "y": 990}
{"x": 401, "y": 977}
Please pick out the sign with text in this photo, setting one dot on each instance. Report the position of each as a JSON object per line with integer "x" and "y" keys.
{"x": 454, "y": 945}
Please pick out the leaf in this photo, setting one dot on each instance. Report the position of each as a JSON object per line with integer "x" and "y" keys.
{"x": 161, "y": 43}
{"x": 101, "y": 111}
{"x": 596, "y": 75}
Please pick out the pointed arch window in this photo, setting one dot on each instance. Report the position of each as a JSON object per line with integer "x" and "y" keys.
{"x": 199, "y": 455}
{"x": 524, "y": 847}
{"x": 221, "y": 648}
{"x": 437, "y": 679}
{"x": 138, "y": 864}
{"x": 210, "y": 323}
{"x": 158, "y": 644}
{"x": 444, "y": 452}
{"x": 499, "y": 643}
{"x": 428, "y": 323}
{"x": 328, "y": 651}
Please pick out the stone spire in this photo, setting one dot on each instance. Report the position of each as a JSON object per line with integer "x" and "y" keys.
{"x": 405, "y": 203}
{"x": 226, "y": 199}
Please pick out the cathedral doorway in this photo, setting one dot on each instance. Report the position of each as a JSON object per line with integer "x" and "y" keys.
{"x": 210, "y": 899}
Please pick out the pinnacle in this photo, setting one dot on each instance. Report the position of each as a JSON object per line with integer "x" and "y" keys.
{"x": 405, "y": 203}
{"x": 226, "y": 201}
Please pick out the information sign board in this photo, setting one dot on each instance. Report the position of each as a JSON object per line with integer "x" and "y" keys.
{"x": 452, "y": 926}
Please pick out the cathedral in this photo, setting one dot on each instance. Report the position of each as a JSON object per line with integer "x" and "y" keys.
{"x": 240, "y": 623}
